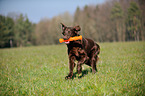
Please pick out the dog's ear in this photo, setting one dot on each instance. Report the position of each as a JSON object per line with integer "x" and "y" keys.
{"x": 77, "y": 28}
{"x": 63, "y": 26}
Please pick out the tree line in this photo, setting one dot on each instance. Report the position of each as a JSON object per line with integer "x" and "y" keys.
{"x": 112, "y": 21}
{"x": 16, "y": 33}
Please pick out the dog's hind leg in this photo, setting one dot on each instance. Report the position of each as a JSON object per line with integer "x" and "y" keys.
{"x": 94, "y": 58}
{"x": 93, "y": 64}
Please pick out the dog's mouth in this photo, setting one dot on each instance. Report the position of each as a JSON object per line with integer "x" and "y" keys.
{"x": 66, "y": 42}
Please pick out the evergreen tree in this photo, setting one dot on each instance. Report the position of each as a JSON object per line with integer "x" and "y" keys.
{"x": 77, "y": 16}
{"x": 134, "y": 21}
{"x": 117, "y": 17}
{"x": 6, "y": 31}
{"x": 23, "y": 31}
{"x": 142, "y": 7}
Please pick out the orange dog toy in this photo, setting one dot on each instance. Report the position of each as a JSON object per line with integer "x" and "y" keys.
{"x": 71, "y": 39}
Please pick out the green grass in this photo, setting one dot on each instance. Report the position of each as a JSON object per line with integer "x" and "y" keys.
{"x": 42, "y": 70}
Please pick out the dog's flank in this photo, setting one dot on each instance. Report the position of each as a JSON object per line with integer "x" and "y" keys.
{"x": 85, "y": 51}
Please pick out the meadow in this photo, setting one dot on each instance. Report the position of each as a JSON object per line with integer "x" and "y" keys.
{"x": 41, "y": 70}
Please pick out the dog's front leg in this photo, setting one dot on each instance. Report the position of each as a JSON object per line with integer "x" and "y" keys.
{"x": 71, "y": 67}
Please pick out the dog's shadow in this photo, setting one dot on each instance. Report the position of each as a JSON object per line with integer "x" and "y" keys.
{"x": 84, "y": 72}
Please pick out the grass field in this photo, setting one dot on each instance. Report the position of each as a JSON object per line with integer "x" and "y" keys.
{"x": 41, "y": 71}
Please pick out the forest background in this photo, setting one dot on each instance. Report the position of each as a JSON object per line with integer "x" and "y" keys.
{"x": 112, "y": 21}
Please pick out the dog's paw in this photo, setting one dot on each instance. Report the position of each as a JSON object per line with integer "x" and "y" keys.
{"x": 68, "y": 77}
{"x": 94, "y": 71}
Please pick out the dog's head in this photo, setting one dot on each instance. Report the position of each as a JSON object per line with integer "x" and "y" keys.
{"x": 70, "y": 31}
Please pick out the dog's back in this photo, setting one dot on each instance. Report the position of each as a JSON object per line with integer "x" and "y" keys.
{"x": 90, "y": 45}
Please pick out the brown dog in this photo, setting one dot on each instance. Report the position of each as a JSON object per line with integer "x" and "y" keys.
{"x": 84, "y": 51}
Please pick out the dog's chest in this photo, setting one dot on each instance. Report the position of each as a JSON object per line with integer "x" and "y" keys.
{"x": 77, "y": 52}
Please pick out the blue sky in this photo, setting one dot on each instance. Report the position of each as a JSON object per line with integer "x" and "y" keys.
{"x": 38, "y": 9}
